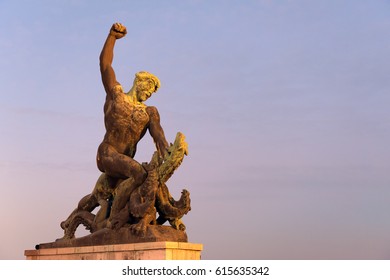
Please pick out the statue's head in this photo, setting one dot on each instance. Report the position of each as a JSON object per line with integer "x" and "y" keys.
{"x": 145, "y": 84}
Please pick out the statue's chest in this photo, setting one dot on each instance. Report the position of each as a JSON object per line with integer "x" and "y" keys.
{"x": 127, "y": 112}
{"x": 138, "y": 115}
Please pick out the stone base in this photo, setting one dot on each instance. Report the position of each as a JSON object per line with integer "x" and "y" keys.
{"x": 136, "y": 251}
{"x": 122, "y": 236}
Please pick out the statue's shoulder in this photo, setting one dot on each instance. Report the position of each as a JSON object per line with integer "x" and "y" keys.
{"x": 117, "y": 89}
{"x": 117, "y": 94}
{"x": 151, "y": 110}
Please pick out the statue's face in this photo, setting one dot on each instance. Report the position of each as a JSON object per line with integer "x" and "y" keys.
{"x": 145, "y": 89}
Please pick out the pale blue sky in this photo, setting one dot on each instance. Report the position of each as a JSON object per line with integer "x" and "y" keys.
{"x": 285, "y": 106}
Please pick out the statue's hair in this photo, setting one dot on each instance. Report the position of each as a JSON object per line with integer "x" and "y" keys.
{"x": 146, "y": 75}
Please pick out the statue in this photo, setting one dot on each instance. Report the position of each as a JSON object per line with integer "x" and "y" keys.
{"x": 129, "y": 195}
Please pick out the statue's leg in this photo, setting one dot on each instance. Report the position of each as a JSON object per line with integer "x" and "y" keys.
{"x": 101, "y": 215}
{"x": 141, "y": 227}
{"x": 118, "y": 215}
{"x": 118, "y": 165}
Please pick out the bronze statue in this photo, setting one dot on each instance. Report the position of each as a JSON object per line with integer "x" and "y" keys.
{"x": 126, "y": 118}
{"x": 129, "y": 194}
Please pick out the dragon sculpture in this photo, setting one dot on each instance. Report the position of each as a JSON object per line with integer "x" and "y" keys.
{"x": 152, "y": 197}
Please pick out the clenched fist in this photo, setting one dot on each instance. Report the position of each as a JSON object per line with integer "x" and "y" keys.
{"x": 118, "y": 30}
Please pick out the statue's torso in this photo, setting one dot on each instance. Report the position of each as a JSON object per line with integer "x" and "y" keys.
{"x": 125, "y": 121}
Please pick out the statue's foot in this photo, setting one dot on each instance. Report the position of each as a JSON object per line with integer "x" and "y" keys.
{"x": 119, "y": 219}
{"x": 114, "y": 224}
{"x": 139, "y": 229}
{"x": 177, "y": 224}
{"x": 108, "y": 224}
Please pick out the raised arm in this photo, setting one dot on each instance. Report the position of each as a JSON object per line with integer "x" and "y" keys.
{"x": 117, "y": 31}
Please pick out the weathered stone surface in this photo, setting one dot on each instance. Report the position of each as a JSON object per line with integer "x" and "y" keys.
{"x": 122, "y": 236}
{"x": 164, "y": 250}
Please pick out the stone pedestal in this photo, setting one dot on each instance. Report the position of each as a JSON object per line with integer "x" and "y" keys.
{"x": 135, "y": 251}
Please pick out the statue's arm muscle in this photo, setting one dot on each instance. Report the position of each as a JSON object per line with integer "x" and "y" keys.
{"x": 156, "y": 131}
{"x": 117, "y": 31}
{"x": 106, "y": 58}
